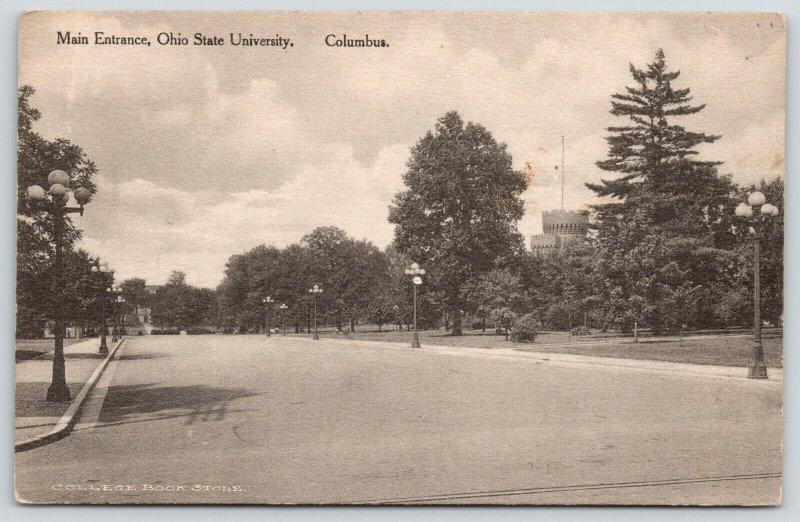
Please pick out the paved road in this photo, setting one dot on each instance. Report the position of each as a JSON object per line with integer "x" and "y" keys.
{"x": 245, "y": 419}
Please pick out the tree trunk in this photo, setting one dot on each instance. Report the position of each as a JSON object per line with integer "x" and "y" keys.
{"x": 457, "y": 320}
{"x": 352, "y": 325}
{"x": 483, "y": 323}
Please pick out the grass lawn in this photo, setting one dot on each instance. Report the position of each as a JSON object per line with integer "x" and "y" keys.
{"x": 30, "y": 348}
{"x": 717, "y": 350}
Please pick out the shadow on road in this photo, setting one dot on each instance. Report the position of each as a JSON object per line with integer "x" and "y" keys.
{"x": 68, "y": 355}
{"x": 26, "y": 355}
{"x": 97, "y": 355}
{"x": 142, "y": 356}
{"x": 198, "y": 403}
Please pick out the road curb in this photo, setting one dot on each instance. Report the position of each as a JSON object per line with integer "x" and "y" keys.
{"x": 648, "y": 365}
{"x": 67, "y": 421}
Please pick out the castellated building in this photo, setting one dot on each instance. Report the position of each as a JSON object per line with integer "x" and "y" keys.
{"x": 560, "y": 227}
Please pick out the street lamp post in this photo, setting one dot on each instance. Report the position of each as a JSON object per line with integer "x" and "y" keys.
{"x": 58, "y": 391}
{"x": 755, "y": 211}
{"x": 116, "y": 331}
{"x": 102, "y": 267}
{"x": 315, "y": 291}
{"x": 114, "y": 291}
{"x": 416, "y": 273}
{"x": 120, "y": 317}
{"x": 268, "y": 304}
{"x": 110, "y": 292}
{"x": 283, "y": 308}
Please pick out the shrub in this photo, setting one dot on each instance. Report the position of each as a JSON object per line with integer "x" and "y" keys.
{"x": 164, "y": 332}
{"x": 580, "y": 330}
{"x": 525, "y": 329}
{"x": 199, "y": 331}
{"x": 503, "y": 318}
{"x": 477, "y": 324}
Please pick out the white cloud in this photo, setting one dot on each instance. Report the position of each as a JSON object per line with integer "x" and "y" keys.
{"x": 156, "y": 229}
{"x": 206, "y": 153}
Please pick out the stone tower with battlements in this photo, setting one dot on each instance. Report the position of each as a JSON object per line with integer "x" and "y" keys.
{"x": 560, "y": 227}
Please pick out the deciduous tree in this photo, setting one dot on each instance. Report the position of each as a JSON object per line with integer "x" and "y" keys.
{"x": 459, "y": 211}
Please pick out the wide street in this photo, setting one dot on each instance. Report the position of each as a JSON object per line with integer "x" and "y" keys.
{"x": 291, "y": 420}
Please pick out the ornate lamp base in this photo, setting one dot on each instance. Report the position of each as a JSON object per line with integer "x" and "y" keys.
{"x": 757, "y": 370}
{"x": 58, "y": 392}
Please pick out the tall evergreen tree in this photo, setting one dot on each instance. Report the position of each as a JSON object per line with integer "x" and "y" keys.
{"x": 666, "y": 227}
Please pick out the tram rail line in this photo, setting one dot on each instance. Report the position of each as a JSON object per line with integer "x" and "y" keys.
{"x": 453, "y": 497}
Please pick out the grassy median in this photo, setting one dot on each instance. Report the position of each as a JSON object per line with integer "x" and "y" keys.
{"x": 721, "y": 350}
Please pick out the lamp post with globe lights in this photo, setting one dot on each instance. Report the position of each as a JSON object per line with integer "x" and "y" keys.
{"x": 54, "y": 201}
{"x": 416, "y": 273}
{"x": 110, "y": 292}
{"x": 120, "y": 316}
{"x": 756, "y": 211}
{"x": 102, "y": 267}
{"x": 116, "y": 301}
{"x": 283, "y": 308}
{"x": 315, "y": 291}
{"x": 268, "y": 305}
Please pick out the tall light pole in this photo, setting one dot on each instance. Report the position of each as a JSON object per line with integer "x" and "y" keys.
{"x": 268, "y": 305}
{"x": 315, "y": 291}
{"x": 121, "y": 317}
{"x": 416, "y": 273}
{"x": 283, "y": 308}
{"x": 113, "y": 291}
{"x": 110, "y": 292}
{"x": 56, "y": 207}
{"x": 102, "y": 268}
{"x": 117, "y": 300}
{"x": 756, "y": 211}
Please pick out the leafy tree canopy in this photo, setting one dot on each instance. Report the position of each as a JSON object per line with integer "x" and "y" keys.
{"x": 458, "y": 214}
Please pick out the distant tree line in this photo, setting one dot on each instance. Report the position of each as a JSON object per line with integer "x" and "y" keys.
{"x": 360, "y": 284}
{"x": 182, "y": 306}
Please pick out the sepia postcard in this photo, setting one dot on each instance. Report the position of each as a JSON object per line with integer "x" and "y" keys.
{"x": 415, "y": 258}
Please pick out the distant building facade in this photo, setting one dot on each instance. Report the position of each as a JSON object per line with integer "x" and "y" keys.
{"x": 560, "y": 227}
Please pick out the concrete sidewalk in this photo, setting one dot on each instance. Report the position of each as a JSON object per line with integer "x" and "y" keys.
{"x": 33, "y": 416}
{"x": 587, "y": 361}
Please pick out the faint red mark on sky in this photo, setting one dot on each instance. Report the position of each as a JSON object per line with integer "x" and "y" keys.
{"x": 528, "y": 174}
{"x": 777, "y": 160}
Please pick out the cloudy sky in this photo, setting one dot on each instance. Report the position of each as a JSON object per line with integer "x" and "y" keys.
{"x": 207, "y": 152}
